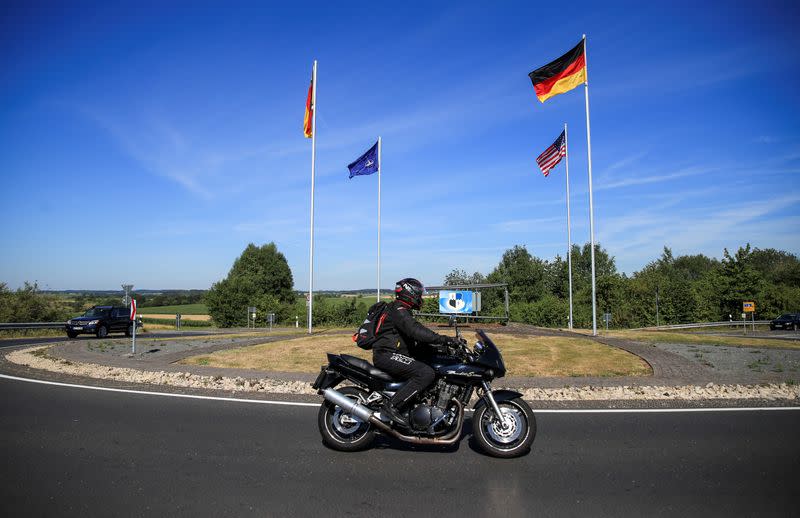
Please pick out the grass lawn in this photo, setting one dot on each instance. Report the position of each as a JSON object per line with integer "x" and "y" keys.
{"x": 540, "y": 356}
{"x": 676, "y": 337}
{"x": 183, "y": 309}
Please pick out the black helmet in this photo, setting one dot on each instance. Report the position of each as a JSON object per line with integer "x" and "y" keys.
{"x": 409, "y": 291}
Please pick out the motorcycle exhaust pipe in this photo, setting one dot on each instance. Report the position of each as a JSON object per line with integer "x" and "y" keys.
{"x": 348, "y": 405}
{"x": 365, "y": 414}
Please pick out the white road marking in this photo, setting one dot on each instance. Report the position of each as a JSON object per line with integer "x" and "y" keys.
{"x": 166, "y": 394}
{"x": 294, "y": 403}
{"x": 659, "y": 410}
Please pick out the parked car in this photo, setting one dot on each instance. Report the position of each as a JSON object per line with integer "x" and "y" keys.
{"x": 101, "y": 320}
{"x": 786, "y": 321}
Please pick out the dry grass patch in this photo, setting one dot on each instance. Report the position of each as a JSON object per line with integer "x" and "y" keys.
{"x": 524, "y": 356}
{"x": 299, "y": 355}
{"x": 566, "y": 356}
{"x": 674, "y": 337}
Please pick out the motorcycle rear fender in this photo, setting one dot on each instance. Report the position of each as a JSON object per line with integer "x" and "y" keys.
{"x": 338, "y": 370}
{"x": 499, "y": 396}
{"x": 327, "y": 378}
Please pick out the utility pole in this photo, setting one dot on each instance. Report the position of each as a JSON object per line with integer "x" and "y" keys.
{"x": 127, "y": 288}
{"x": 657, "y": 306}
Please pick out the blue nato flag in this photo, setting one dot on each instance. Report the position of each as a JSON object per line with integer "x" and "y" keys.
{"x": 366, "y": 163}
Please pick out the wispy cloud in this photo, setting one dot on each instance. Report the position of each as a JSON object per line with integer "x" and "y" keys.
{"x": 639, "y": 180}
{"x": 524, "y": 225}
{"x": 626, "y": 161}
{"x": 641, "y": 235}
{"x": 657, "y": 75}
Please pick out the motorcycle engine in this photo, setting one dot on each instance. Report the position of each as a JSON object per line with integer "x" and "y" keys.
{"x": 423, "y": 416}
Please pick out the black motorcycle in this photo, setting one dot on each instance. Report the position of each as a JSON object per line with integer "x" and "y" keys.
{"x": 503, "y": 424}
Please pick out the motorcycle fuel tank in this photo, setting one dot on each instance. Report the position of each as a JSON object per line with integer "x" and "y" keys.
{"x": 461, "y": 370}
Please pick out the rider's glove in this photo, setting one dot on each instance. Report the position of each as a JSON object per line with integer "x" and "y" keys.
{"x": 453, "y": 345}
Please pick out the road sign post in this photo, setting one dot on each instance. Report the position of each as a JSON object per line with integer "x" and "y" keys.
{"x": 251, "y": 313}
{"x": 133, "y": 324}
{"x": 749, "y": 307}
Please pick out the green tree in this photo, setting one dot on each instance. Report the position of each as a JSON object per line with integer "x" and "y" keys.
{"x": 29, "y": 304}
{"x": 259, "y": 277}
{"x": 460, "y": 277}
{"x": 523, "y": 273}
{"x": 739, "y": 281}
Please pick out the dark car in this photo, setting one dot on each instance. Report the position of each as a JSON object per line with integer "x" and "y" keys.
{"x": 786, "y": 321}
{"x": 101, "y": 320}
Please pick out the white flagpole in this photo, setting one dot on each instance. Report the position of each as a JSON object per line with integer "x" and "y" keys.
{"x": 569, "y": 235}
{"x": 591, "y": 201}
{"x": 313, "y": 159}
{"x": 379, "y": 219}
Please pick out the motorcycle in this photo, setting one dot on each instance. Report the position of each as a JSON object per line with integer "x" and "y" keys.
{"x": 503, "y": 424}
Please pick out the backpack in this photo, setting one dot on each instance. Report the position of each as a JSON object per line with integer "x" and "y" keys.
{"x": 367, "y": 333}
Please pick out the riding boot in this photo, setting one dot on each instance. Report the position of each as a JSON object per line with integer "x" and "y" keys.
{"x": 389, "y": 410}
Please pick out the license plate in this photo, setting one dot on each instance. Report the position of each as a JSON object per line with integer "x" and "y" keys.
{"x": 77, "y": 328}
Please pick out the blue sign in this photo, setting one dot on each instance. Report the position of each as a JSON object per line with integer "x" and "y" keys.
{"x": 455, "y": 302}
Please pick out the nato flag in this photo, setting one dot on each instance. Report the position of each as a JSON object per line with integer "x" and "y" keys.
{"x": 366, "y": 163}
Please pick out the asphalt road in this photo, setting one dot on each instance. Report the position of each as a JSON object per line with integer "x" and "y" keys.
{"x": 77, "y": 452}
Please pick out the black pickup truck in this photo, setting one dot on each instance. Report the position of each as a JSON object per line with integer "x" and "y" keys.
{"x": 101, "y": 320}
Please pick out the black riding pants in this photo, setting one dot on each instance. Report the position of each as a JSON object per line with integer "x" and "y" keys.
{"x": 402, "y": 367}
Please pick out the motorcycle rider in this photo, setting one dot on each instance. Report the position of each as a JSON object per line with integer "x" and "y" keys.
{"x": 398, "y": 335}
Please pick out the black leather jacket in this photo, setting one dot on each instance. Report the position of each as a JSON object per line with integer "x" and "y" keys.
{"x": 401, "y": 333}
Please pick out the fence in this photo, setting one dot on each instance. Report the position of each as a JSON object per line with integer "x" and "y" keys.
{"x": 32, "y": 325}
{"x": 732, "y": 323}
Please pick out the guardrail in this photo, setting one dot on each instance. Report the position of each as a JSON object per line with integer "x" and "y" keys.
{"x": 732, "y": 323}
{"x": 32, "y": 325}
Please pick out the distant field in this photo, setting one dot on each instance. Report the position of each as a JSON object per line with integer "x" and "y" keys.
{"x": 684, "y": 337}
{"x": 183, "y": 309}
{"x": 171, "y": 316}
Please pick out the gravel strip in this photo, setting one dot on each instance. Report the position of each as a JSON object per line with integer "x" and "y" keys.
{"x": 37, "y": 358}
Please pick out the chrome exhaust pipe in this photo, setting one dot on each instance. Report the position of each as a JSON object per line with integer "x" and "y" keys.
{"x": 356, "y": 409}
{"x": 348, "y": 405}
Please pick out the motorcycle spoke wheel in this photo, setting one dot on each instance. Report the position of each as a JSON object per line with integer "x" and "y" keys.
{"x": 342, "y": 431}
{"x": 510, "y": 437}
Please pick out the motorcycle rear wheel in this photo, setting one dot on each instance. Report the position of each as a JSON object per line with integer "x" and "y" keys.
{"x": 342, "y": 431}
{"x": 508, "y": 441}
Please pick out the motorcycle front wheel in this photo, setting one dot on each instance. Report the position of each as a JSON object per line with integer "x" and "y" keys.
{"x": 342, "y": 431}
{"x": 510, "y": 437}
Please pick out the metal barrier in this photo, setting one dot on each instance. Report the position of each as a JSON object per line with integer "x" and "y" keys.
{"x": 32, "y": 325}
{"x": 731, "y": 323}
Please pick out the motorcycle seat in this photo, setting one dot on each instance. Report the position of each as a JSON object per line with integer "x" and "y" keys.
{"x": 366, "y": 366}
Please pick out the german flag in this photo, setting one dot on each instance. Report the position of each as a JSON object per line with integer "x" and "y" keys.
{"x": 309, "y": 116}
{"x": 561, "y": 75}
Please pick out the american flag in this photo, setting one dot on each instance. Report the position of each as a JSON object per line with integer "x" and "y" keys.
{"x": 552, "y": 155}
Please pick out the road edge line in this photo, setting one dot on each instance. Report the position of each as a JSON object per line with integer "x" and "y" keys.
{"x": 151, "y": 393}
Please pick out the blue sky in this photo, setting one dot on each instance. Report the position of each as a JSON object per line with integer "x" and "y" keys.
{"x": 151, "y": 142}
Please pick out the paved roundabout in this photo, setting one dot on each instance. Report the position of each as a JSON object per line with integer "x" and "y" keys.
{"x": 115, "y": 450}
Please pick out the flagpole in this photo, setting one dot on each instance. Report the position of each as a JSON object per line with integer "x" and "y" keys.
{"x": 313, "y": 160}
{"x": 379, "y": 219}
{"x": 591, "y": 201}
{"x": 569, "y": 235}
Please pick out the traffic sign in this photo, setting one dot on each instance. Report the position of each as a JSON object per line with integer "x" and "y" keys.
{"x": 748, "y": 307}
{"x": 133, "y": 309}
